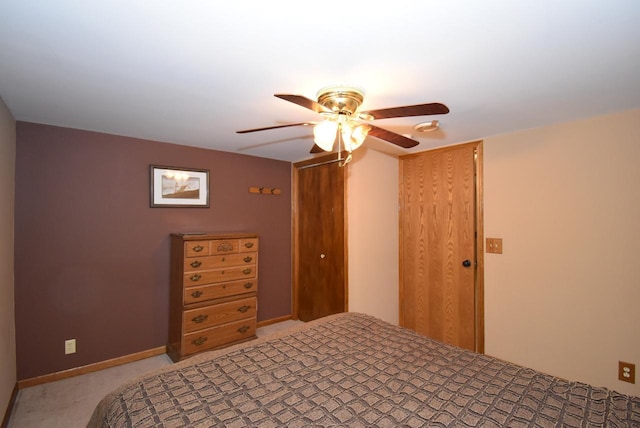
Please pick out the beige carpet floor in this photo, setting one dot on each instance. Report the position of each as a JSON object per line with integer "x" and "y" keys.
{"x": 69, "y": 403}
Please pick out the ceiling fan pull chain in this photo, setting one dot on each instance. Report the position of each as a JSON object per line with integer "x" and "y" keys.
{"x": 340, "y": 146}
{"x": 348, "y": 158}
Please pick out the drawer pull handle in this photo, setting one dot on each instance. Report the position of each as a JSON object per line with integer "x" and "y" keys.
{"x": 248, "y": 285}
{"x": 243, "y": 329}
{"x": 195, "y": 277}
{"x": 247, "y": 271}
{"x": 198, "y": 248}
{"x": 244, "y": 308}
{"x": 196, "y": 294}
{"x": 249, "y": 244}
{"x": 200, "y": 318}
{"x": 199, "y": 341}
{"x": 247, "y": 259}
{"x": 225, "y": 246}
{"x": 196, "y": 264}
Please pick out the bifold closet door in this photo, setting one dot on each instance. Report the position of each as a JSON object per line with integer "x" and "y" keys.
{"x": 321, "y": 255}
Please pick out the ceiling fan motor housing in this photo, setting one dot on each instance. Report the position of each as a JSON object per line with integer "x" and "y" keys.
{"x": 341, "y": 99}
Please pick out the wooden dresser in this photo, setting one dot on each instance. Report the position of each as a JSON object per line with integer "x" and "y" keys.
{"x": 213, "y": 295}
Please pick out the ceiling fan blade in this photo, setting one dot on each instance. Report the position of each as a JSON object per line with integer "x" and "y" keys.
{"x": 406, "y": 111}
{"x": 392, "y": 137}
{"x": 316, "y": 149}
{"x": 245, "y": 131}
{"x": 304, "y": 102}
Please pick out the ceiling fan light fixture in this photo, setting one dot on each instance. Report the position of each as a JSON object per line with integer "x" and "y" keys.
{"x": 365, "y": 116}
{"x": 358, "y": 136}
{"x": 324, "y": 134}
{"x": 345, "y": 130}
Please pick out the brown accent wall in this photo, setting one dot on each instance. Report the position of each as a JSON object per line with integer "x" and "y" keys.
{"x": 91, "y": 256}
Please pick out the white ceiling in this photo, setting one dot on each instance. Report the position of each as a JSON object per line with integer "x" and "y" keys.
{"x": 193, "y": 72}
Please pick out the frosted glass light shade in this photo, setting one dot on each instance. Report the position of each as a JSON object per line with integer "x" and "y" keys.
{"x": 324, "y": 134}
{"x": 358, "y": 136}
{"x": 345, "y": 130}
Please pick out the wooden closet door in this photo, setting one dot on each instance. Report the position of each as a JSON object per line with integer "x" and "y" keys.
{"x": 320, "y": 266}
{"x": 438, "y": 244}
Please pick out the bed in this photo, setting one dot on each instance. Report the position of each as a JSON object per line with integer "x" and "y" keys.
{"x": 354, "y": 370}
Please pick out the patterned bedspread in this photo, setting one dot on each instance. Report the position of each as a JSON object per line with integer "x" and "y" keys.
{"x": 354, "y": 370}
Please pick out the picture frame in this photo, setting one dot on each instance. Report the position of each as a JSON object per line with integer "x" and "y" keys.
{"x": 175, "y": 187}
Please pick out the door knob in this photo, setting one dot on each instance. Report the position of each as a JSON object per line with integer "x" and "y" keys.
{"x": 322, "y": 256}
{"x": 466, "y": 263}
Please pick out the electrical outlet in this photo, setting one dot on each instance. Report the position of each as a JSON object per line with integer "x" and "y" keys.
{"x": 70, "y": 346}
{"x": 626, "y": 372}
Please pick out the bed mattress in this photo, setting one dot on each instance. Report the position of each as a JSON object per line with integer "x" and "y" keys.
{"x": 354, "y": 370}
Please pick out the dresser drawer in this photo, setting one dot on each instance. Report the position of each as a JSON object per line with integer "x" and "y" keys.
{"x": 217, "y": 262}
{"x": 248, "y": 244}
{"x": 196, "y": 248}
{"x": 220, "y": 335}
{"x": 225, "y": 246}
{"x": 203, "y": 293}
{"x": 209, "y": 316}
{"x": 220, "y": 275}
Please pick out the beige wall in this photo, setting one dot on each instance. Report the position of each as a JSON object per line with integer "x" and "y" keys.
{"x": 564, "y": 298}
{"x": 372, "y": 192}
{"x": 7, "y": 312}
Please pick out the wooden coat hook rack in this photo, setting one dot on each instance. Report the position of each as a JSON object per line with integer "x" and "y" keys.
{"x": 265, "y": 190}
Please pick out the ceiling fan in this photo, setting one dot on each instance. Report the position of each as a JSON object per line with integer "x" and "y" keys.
{"x": 338, "y": 105}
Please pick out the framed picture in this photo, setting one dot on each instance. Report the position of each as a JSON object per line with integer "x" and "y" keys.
{"x": 179, "y": 187}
